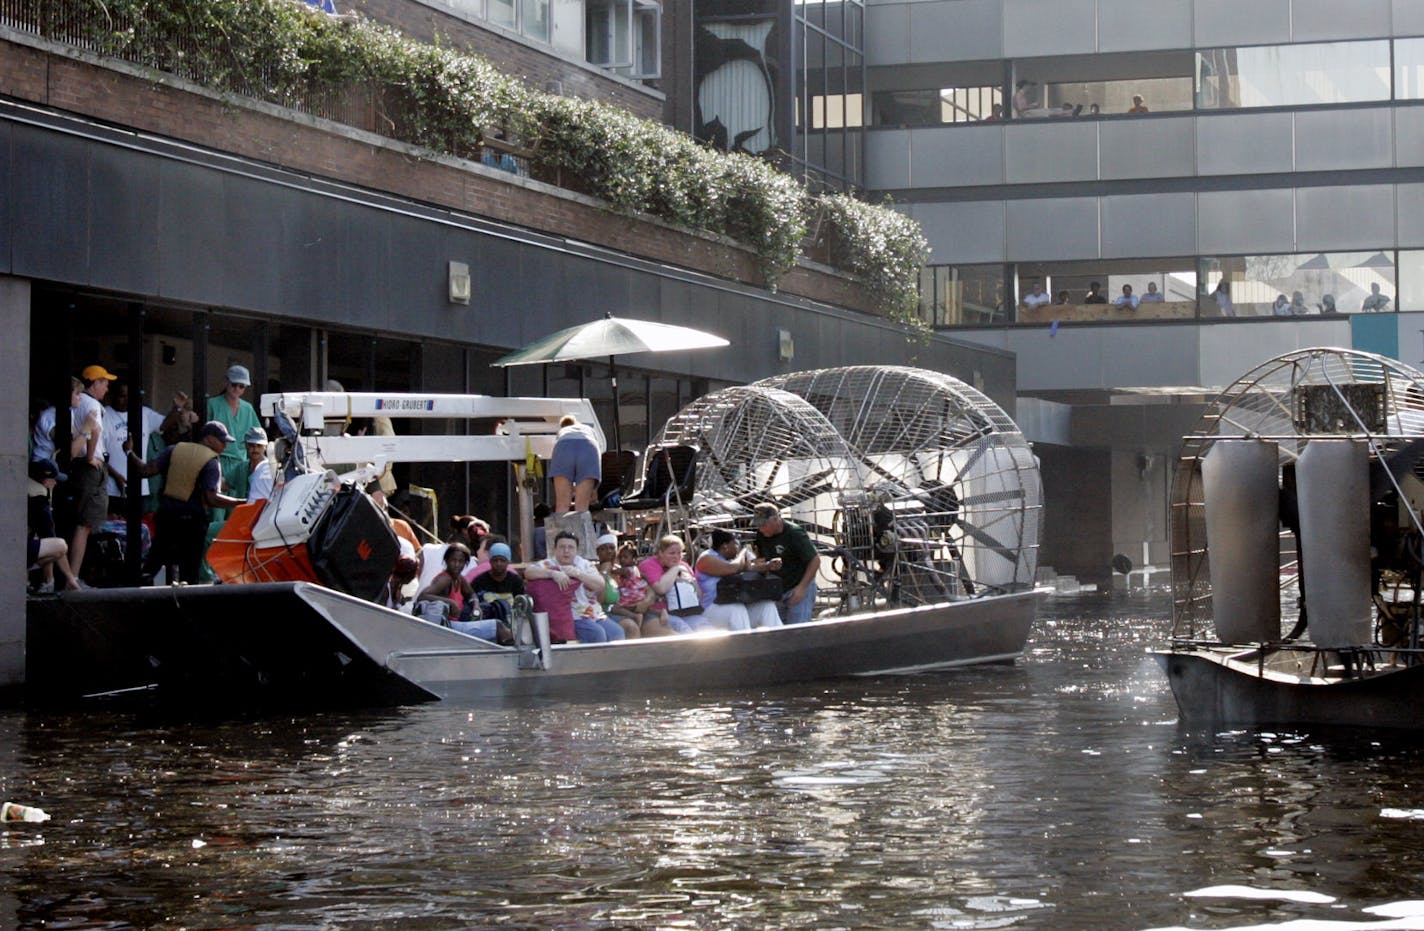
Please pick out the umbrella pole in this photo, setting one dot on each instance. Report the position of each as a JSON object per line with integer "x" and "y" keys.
{"x": 613, "y": 370}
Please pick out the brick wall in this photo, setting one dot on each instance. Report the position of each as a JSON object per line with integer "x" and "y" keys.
{"x": 279, "y": 137}
{"x": 534, "y": 67}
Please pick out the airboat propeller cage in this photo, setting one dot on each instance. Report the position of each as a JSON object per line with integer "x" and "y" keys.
{"x": 1242, "y": 519}
{"x": 911, "y": 475}
{"x": 1346, "y": 427}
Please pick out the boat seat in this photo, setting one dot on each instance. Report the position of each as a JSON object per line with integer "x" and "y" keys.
{"x": 620, "y": 471}
{"x": 670, "y": 478}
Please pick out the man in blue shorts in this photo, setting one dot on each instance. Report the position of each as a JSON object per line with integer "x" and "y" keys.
{"x": 577, "y": 465}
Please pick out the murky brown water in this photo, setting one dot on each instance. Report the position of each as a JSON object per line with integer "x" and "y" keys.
{"x": 1057, "y": 793}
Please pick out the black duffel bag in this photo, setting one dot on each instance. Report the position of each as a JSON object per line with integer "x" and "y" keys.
{"x": 747, "y": 587}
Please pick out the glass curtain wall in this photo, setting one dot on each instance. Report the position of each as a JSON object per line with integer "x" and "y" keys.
{"x": 1262, "y": 286}
{"x": 830, "y": 104}
{"x": 1228, "y": 78}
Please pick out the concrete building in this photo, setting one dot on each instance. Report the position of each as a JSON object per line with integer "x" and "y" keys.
{"x": 167, "y": 232}
{"x": 1257, "y": 165}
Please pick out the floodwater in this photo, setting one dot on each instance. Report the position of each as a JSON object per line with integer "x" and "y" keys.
{"x": 1055, "y": 793}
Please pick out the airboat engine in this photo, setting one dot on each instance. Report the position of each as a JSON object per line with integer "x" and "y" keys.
{"x": 1333, "y": 484}
{"x": 1242, "y": 506}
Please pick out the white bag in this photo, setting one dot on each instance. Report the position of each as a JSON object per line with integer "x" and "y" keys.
{"x": 682, "y": 599}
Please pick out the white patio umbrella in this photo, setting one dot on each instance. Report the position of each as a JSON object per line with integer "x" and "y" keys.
{"x": 611, "y": 336}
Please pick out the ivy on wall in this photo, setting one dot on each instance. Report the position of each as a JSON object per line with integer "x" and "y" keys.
{"x": 444, "y": 100}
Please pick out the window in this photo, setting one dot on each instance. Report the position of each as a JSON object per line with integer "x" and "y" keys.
{"x": 625, "y": 36}
{"x": 1319, "y": 282}
{"x": 1126, "y": 289}
{"x": 503, "y": 13}
{"x": 535, "y": 19}
{"x": 1409, "y": 69}
{"x": 951, "y": 295}
{"x": 1293, "y": 75}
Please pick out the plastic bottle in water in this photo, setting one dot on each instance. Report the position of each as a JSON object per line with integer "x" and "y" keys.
{"x": 11, "y": 811}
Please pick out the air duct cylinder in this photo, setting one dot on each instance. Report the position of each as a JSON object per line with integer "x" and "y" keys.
{"x": 1333, "y": 480}
{"x": 1242, "y": 497}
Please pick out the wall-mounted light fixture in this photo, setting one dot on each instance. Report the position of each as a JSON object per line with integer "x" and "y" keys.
{"x": 459, "y": 283}
{"x": 785, "y": 346}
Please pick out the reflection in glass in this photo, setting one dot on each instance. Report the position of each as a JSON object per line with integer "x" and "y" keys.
{"x": 1293, "y": 75}
{"x": 1411, "y": 280}
{"x": 536, "y": 19}
{"x": 503, "y": 13}
{"x": 954, "y": 295}
{"x": 1408, "y": 69}
{"x": 1315, "y": 283}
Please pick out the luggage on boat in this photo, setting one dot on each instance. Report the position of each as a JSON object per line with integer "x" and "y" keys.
{"x": 312, "y": 531}
{"x": 352, "y": 547}
{"x": 747, "y": 587}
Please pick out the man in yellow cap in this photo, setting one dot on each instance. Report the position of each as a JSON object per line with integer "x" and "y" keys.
{"x": 87, "y": 474}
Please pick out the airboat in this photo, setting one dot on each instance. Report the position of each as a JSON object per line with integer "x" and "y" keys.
{"x": 921, "y": 495}
{"x": 1298, "y": 547}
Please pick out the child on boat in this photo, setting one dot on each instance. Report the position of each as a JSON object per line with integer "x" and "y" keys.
{"x": 635, "y": 596}
{"x": 449, "y": 600}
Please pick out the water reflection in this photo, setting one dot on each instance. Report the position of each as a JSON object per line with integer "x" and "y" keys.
{"x": 1056, "y": 793}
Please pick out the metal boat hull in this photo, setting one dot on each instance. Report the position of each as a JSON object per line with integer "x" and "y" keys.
{"x": 298, "y": 643}
{"x": 1228, "y": 686}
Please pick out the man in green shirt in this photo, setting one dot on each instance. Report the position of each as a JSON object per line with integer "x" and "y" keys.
{"x": 787, "y": 550}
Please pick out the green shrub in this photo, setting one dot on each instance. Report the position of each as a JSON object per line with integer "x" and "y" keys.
{"x": 288, "y": 53}
{"x": 883, "y": 248}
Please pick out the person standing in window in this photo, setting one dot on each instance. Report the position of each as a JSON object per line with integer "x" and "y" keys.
{"x": 1137, "y": 105}
{"x": 1037, "y": 297}
{"x": 1153, "y": 296}
{"x": 1222, "y": 296}
{"x": 1376, "y": 301}
{"x": 1095, "y": 294}
{"x": 1126, "y": 298}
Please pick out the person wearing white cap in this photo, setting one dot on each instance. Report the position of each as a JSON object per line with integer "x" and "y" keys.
{"x": 259, "y": 467}
{"x": 606, "y": 548}
{"x": 229, "y": 409}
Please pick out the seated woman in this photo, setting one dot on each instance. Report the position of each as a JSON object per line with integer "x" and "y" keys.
{"x": 607, "y": 549}
{"x": 450, "y": 600}
{"x": 566, "y": 587}
{"x": 722, "y": 559}
{"x": 664, "y": 570}
{"x": 636, "y": 598}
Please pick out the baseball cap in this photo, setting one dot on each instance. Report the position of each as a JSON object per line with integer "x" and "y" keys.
{"x": 216, "y": 428}
{"x": 763, "y": 513}
{"x": 237, "y": 375}
{"x": 95, "y": 372}
{"x": 607, "y": 538}
{"x": 255, "y": 435}
{"x": 500, "y": 551}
